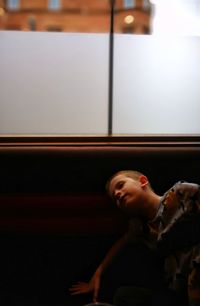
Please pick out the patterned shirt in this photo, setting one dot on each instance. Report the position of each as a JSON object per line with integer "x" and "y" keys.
{"x": 177, "y": 238}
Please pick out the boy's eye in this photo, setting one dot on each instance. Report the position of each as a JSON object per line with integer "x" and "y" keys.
{"x": 120, "y": 185}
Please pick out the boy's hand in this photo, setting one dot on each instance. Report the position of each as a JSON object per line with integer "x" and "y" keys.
{"x": 92, "y": 286}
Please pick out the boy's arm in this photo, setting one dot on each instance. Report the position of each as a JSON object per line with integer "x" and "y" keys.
{"x": 134, "y": 232}
{"x": 94, "y": 283}
{"x": 114, "y": 250}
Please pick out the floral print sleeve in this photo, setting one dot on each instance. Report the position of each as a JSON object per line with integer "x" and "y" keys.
{"x": 179, "y": 239}
{"x": 189, "y": 195}
{"x": 180, "y": 220}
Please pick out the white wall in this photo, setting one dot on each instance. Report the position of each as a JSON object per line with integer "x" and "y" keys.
{"x": 156, "y": 85}
{"x": 53, "y": 83}
{"x": 57, "y": 84}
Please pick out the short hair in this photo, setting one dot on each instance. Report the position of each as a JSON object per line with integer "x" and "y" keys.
{"x": 128, "y": 173}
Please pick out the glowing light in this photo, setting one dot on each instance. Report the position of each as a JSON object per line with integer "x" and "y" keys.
{"x": 129, "y": 19}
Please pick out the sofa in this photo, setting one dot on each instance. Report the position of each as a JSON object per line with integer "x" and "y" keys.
{"x": 57, "y": 222}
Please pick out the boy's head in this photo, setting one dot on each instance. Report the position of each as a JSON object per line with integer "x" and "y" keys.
{"x": 128, "y": 189}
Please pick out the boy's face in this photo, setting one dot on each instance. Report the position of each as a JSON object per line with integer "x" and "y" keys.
{"x": 127, "y": 193}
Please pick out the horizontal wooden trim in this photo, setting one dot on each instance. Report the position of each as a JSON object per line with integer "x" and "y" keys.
{"x": 177, "y": 140}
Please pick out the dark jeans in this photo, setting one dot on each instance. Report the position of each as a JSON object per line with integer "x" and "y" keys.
{"x": 136, "y": 296}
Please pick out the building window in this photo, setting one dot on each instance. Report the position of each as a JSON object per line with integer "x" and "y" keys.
{"x": 54, "y": 5}
{"x": 12, "y": 4}
{"x": 129, "y": 4}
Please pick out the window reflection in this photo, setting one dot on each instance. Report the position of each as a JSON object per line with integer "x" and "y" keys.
{"x": 131, "y": 16}
{"x": 51, "y": 15}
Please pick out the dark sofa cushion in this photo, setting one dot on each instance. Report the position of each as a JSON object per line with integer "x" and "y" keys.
{"x": 65, "y": 214}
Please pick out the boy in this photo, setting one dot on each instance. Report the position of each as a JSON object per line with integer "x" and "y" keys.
{"x": 168, "y": 223}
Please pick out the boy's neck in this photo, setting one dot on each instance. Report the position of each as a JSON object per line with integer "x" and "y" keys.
{"x": 153, "y": 205}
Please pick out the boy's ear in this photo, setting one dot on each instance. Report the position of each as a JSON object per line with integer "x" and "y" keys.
{"x": 143, "y": 180}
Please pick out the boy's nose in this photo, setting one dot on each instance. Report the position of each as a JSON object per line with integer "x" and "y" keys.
{"x": 117, "y": 198}
{"x": 117, "y": 194}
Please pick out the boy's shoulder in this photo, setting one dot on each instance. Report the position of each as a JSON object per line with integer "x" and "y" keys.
{"x": 183, "y": 190}
{"x": 183, "y": 230}
{"x": 182, "y": 186}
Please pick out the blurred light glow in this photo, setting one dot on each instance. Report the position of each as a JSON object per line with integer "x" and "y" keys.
{"x": 129, "y": 19}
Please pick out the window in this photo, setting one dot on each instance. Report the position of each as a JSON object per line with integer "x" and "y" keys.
{"x": 54, "y": 5}
{"x": 12, "y": 4}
